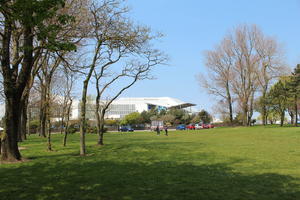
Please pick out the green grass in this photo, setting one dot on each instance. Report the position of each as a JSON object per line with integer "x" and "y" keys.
{"x": 223, "y": 163}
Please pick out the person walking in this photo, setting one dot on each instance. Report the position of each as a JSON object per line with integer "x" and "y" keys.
{"x": 157, "y": 130}
{"x": 166, "y": 130}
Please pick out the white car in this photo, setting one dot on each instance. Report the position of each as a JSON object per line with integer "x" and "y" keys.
{"x": 198, "y": 126}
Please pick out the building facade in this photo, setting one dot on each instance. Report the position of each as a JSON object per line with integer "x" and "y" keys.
{"x": 117, "y": 110}
{"x": 124, "y": 106}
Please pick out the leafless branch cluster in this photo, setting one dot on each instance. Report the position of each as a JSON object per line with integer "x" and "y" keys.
{"x": 244, "y": 64}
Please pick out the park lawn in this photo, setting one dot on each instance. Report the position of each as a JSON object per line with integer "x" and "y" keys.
{"x": 222, "y": 163}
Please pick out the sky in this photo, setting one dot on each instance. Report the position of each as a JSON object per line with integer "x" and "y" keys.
{"x": 191, "y": 27}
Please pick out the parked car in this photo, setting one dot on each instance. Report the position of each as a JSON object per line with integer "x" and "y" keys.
{"x": 180, "y": 127}
{"x": 190, "y": 127}
{"x": 126, "y": 129}
{"x": 198, "y": 126}
{"x": 206, "y": 126}
{"x": 211, "y": 126}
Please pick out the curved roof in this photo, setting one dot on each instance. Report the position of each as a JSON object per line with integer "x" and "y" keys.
{"x": 167, "y": 102}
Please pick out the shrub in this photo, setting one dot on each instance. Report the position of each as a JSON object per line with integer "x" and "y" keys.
{"x": 34, "y": 126}
{"x": 72, "y": 130}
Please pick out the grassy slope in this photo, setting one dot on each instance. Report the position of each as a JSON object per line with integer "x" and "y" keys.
{"x": 223, "y": 163}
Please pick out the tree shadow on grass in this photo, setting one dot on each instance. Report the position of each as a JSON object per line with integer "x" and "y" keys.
{"x": 107, "y": 180}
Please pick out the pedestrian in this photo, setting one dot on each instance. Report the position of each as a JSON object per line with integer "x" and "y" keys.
{"x": 166, "y": 130}
{"x": 157, "y": 130}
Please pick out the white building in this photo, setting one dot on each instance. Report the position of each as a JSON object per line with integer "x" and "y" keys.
{"x": 124, "y": 106}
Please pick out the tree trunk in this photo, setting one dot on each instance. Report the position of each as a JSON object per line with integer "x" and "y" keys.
{"x": 101, "y": 135}
{"x": 229, "y": 100}
{"x": 67, "y": 123}
{"x": 49, "y": 146}
{"x": 100, "y": 127}
{"x": 48, "y": 110}
{"x": 20, "y": 127}
{"x": 245, "y": 114}
{"x": 296, "y": 111}
{"x": 83, "y": 118}
{"x": 43, "y": 114}
{"x": 83, "y": 100}
{"x": 250, "y": 113}
{"x": 10, "y": 150}
{"x": 23, "y": 120}
{"x": 291, "y": 113}
{"x": 62, "y": 125}
{"x": 282, "y": 118}
{"x": 29, "y": 119}
{"x": 264, "y": 109}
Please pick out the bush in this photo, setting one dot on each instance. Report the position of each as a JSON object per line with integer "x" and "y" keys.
{"x": 72, "y": 130}
{"x": 93, "y": 130}
{"x": 34, "y": 126}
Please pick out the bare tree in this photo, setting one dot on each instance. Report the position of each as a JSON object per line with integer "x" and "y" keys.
{"x": 67, "y": 103}
{"x": 245, "y": 80}
{"x": 134, "y": 71}
{"x": 271, "y": 66}
{"x": 220, "y": 63}
{"x": 114, "y": 36}
{"x": 245, "y": 63}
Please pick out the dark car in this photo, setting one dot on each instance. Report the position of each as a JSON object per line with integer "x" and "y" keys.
{"x": 126, "y": 129}
{"x": 181, "y": 127}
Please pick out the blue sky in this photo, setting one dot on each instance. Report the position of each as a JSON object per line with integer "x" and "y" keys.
{"x": 193, "y": 26}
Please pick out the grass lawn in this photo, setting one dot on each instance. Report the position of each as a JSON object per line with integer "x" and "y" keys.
{"x": 223, "y": 163}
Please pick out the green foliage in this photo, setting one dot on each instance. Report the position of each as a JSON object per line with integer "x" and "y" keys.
{"x": 43, "y": 16}
{"x": 131, "y": 119}
{"x": 177, "y": 113}
{"x": 34, "y": 126}
{"x": 273, "y": 116}
{"x": 173, "y": 116}
{"x": 72, "y": 129}
{"x": 205, "y": 117}
{"x": 145, "y": 117}
{"x": 278, "y": 97}
{"x": 294, "y": 83}
{"x": 238, "y": 119}
{"x": 168, "y": 118}
{"x": 111, "y": 122}
{"x": 91, "y": 129}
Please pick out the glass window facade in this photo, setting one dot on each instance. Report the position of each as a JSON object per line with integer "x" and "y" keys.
{"x": 120, "y": 109}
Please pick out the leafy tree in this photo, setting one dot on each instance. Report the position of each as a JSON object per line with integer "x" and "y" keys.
{"x": 238, "y": 120}
{"x": 279, "y": 98}
{"x": 178, "y": 115}
{"x": 111, "y": 122}
{"x": 131, "y": 119}
{"x": 168, "y": 119}
{"x": 294, "y": 90}
{"x": 29, "y": 27}
{"x": 145, "y": 117}
{"x": 195, "y": 119}
{"x": 205, "y": 117}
